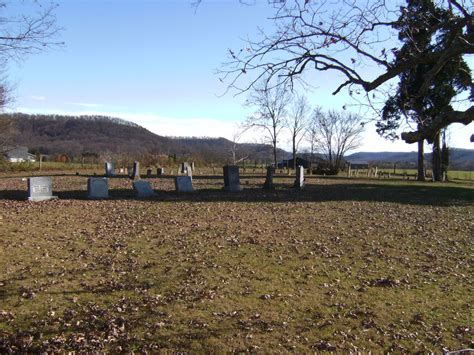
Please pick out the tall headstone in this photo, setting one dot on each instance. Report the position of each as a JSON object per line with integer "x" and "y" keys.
{"x": 109, "y": 169}
{"x": 97, "y": 188}
{"x": 299, "y": 181}
{"x": 136, "y": 171}
{"x": 183, "y": 184}
{"x": 40, "y": 189}
{"x": 232, "y": 178}
{"x": 192, "y": 166}
{"x": 143, "y": 189}
{"x": 269, "y": 179}
{"x": 160, "y": 171}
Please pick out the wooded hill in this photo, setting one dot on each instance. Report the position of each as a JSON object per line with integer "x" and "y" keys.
{"x": 116, "y": 138}
{"x": 459, "y": 159}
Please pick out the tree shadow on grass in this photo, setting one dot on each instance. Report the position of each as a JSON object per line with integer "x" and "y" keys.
{"x": 370, "y": 191}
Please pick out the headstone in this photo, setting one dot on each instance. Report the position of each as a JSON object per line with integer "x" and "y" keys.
{"x": 232, "y": 178}
{"x": 192, "y": 166}
{"x": 40, "y": 189}
{"x": 160, "y": 171}
{"x": 109, "y": 169}
{"x": 185, "y": 169}
{"x": 97, "y": 188}
{"x": 189, "y": 172}
{"x": 269, "y": 179}
{"x": 299, "y": 181}
{"x": 183, "y": 184}
{"x": 122, "y": 170}
{"x": 136, "y": 171}
{"x": 143, "y": 189}
{"x": 148, "y": 173}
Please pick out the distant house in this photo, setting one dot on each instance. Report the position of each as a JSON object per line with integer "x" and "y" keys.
{"x": 289, "y": 163}
{"x": 18, "y": 155}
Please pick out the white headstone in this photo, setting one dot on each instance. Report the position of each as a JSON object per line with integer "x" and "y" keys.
{"x": 299, "y": 181}
{"x": 183, "y": 184}
{"x": 97, "y": 188}
{"x": 40, "y": 189}
{"x": 109, "y": 169}
{"x": 136, "y": 171}
{"x": 143, "y": 189}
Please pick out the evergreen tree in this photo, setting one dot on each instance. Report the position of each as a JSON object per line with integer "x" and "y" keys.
{"x": 421, "y": 28}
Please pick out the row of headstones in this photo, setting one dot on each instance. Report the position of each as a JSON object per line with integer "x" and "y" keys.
{"x": 41, "y": 188}
{"x": 134, "y": 173}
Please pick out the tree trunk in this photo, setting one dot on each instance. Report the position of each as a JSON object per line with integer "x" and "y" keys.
{"x": 444, "y": 158}
{"x": 275, "y": 153}
{"x": 421, "y": 161}
{"x": 294, "y": 152}
{"x": 436, "y": 159}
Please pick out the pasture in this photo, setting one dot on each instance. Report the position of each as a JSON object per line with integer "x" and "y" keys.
{"x": 342, "y": 265}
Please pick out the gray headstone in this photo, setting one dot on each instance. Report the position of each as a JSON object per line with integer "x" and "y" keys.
{"x": 136, "y": 170}
{"x": 40, "y": 189}
{"x": 160, "y": 171}
{"x": 232, "y": 178}
{"x": 109, "y": 169}
{"x": 192, "y": 166}
{"x": 97, "y": 188}
{"x": 269, "y": 179}
{"x": 299, "y": 181}
{"x": 143, "y": 189}
{"x": 183, "y": 184}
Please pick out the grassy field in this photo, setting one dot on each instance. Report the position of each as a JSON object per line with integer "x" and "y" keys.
{"x": 343, "y": 265}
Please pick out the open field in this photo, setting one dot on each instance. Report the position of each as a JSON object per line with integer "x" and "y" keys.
{"x": 343, "y": 265}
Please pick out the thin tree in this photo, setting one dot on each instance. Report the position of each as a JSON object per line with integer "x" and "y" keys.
{"x": 271, "y": 102}
{"x": 311, "y": 133}
{"x": 297, "y": 122}
{"x": 237, "y": 134}
{"x": 337, "y": 134}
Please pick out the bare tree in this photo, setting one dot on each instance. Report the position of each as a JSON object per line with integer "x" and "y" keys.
{"x": 338, "y": 133}
{"x": 312, "y": 131}
{"x": 32, "y": 29}
{"x": 271, "y": 102}
{"x": 237, "y": 134}
{"x": 296, "y": 122}
{"x": 313, "y": 35}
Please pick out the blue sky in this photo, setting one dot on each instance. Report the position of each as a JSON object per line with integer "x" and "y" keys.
{"x": 154, "y": 63}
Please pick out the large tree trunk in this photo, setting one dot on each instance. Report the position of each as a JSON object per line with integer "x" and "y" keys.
{"x": 436, "y": 159}
{"x": 444, "y": 158}
{"x": 421, "y": 161}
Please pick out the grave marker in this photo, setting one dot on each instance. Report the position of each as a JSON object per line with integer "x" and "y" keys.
{"x": 136, "y": 171}
{"x": 160, "y": 171}
{"x": 143, "y": 189}
{"x": 183, "y": 184}
{"x": 232, "y": 178}
{"x": 269, "y": 179}
{"x": 40, "y": 189}
{"x": 299, "y": 181}
{"x": 97, "y": 188}
{"x": 109, "y": 169}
